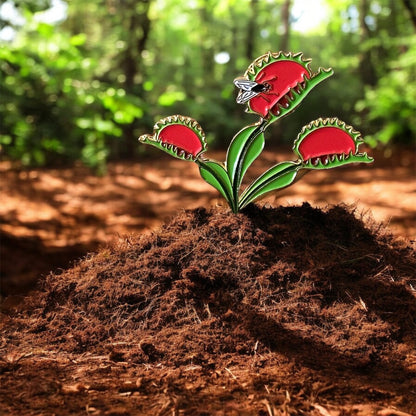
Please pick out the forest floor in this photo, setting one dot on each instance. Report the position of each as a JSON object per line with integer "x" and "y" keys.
{"x": 295, "y": 310}
{"x": 51, "y": 217}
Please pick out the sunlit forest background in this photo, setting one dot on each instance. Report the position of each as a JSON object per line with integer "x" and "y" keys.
{"x": 80, "y": 81}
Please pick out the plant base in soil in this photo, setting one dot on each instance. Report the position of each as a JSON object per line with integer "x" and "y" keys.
{"x": 272, "y": 311}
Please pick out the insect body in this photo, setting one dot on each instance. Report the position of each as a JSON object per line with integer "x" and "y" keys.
{"x": 248, "y": 89}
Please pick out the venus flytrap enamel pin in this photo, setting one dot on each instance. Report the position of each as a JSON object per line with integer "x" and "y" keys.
{"x": 272, "y": 87}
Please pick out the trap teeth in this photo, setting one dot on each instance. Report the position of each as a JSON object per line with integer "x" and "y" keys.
{"x": 145, "y": 137}
{"x": 299, "y": 87}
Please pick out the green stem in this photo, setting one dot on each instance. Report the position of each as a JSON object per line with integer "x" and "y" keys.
{"x": 226, "y": 187}
{"x": 250, "y": 192}
{"x": 238, "y": 179}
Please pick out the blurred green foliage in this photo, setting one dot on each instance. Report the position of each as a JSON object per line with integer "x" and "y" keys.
{"x": 52, "y": 109}
{"x": 86, "y": 87}
{"x": 391, "y": 104}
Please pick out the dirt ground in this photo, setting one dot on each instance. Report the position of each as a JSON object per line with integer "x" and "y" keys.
{"x": 51, "y": 217}
{"x": 294, "y": 310}
{"x": 286, "y": 311}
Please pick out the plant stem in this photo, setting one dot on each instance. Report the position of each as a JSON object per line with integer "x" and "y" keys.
{"x": 237, "y": 180}
{"x": 221, "y": 178}
{"x": 249, "y": 193}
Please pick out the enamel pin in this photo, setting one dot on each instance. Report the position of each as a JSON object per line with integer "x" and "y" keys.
{"x": 273, "y": 86}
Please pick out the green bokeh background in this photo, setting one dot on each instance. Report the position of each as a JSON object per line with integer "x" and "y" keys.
{"x": 86, "y": 87}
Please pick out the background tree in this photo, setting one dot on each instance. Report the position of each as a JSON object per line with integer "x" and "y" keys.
{"x": 86, "y": 87}
{"x": 284, "y": 43}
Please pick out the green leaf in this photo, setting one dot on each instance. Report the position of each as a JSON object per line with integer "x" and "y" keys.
{"x": 277, "y": 177}
{"x": 245, "y": 147}
{"x": 215, "y": 174}
{"x": 169, "y": 98}
{"x": 78, "y": 40}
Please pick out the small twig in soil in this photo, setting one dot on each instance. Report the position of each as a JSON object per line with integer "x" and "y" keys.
{"x": 321, "y": 410}
{"x": 230, "y": 372}
{"x": 269, "y": 407}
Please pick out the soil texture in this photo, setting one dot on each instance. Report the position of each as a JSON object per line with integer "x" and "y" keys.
{"x": 294, "y": 310}
{"x": 49, "y": 217}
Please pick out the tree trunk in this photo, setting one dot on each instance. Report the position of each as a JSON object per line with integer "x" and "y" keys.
{"x": 207, "y": 50}
{"x": 138, "y": 30}
{"x": 137, "y": 35}
{"x": 251, "y": 30}
{"x": 366, "y": 66}
{"x": 411, "y": 8}
{"x": 284, "y": 40}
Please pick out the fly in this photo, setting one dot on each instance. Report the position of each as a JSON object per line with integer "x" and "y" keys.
{"x": 248, "y": 89}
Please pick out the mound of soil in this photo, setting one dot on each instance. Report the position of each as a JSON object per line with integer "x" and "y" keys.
{"x": 273, "y": 311}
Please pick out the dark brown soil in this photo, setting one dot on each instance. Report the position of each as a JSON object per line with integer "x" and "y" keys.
{"x": 286, "y": 311}
{"x": 49, "y": 217}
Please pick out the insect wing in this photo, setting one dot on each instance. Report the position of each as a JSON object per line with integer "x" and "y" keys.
{"x": 245, "y": 84}
{"x": 244, "y": 96}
